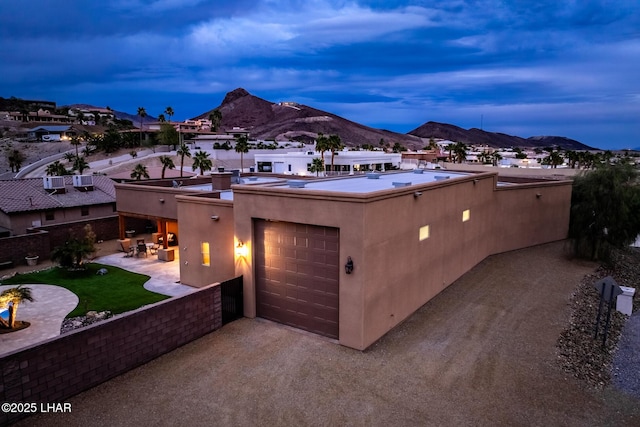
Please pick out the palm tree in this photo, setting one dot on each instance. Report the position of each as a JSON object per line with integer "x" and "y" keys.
{"x": 69, "y": 157}
{"x": 80, "y": 164}
{"x": 139, "y": 172}
{"x": 76, "y": 142}
{"x": 495, "y": 158}
{"x": 334, "y": 144}
{"x": 183, "y": 151}
{"x": 202, "y": 161}
{"x": 460, "y": 151}
{"x": 11, "y": 299}
{"x": 216, "y": 119}
{"x": 322, "y": 145}
{"x": 15, "y": 158}
{"x": 167, "y": 162}
{"x": 317, "y": 165}
{"x": 162, "y": 118}
{"x": 56, "y": 169}
{"x": 242, "y": 147}
{"x": 142, "y": 113}
{"x": 169, "y": 112}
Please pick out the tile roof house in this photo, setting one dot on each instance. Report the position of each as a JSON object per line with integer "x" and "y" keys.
{"x": 35, "y": 202}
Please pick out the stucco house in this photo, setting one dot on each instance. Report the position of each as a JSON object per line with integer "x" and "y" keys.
{"x": 349, "y": 257}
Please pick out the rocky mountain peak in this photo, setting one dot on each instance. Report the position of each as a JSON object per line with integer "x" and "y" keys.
{"x": 234, "y": 95}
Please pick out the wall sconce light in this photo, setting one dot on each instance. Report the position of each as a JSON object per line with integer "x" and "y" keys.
{"x": 538, "y": 195}
{"x": 215, "y": 217}
{"x": 161, "y": 200}
{"x": 417, "y": 194}
{"x": 241, "y": 249}
{"x": 475, "y": 181}
{"x": 348, "y": 267}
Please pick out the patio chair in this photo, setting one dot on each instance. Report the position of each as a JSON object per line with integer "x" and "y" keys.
{"x": 128, "y": 251}
{"x": 142, "y": 247}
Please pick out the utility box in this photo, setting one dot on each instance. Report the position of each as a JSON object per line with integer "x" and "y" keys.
{"x": 624, "y": 303}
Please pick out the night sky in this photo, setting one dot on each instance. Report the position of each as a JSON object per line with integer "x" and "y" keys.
{"x": 566, "y": 68}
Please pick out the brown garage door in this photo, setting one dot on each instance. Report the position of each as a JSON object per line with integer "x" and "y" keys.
{"x": 297, "y": 275}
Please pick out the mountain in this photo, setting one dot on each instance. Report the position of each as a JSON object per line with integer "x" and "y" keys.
{"x": 292, "y": 121}
{"x": 493, "y": 139}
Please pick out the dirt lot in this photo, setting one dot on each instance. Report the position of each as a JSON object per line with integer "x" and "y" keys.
{"x": 481, "y": 353}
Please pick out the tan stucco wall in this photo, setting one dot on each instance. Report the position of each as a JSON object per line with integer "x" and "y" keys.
{"x": 147, "y": 200}
{"x": 395, "y": 273}
{"x": 196, "y": 226}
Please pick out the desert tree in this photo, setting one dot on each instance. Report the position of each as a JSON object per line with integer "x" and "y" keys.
{"x": 72, "y": 253}
{"x": 15, "y": 158}
{"x": 168, "y": 135}
{"x": 604, "y": 210}
{"x": 56, "y": 169}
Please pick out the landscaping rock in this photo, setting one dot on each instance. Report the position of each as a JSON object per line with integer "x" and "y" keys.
{"x": 73, "y": 323}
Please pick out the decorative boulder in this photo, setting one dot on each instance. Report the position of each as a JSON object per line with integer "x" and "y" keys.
{"x": 102, "y": 272}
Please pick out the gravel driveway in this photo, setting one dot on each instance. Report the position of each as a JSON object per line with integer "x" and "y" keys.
{"x": 481, "y": 353}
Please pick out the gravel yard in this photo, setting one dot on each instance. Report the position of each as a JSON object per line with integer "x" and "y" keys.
{"x": 483, "y": 352}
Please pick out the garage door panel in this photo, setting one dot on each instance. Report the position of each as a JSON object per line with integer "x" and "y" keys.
{"x": 297, "y": 275}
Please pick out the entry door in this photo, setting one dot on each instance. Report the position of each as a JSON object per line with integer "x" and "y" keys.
{"x": 297, "y": 275}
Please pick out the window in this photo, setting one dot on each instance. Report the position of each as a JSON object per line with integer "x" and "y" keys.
{"x": 84, "y": 210}
{"x": 50, "y": 215}
{"x": 424, "y": 232}
{"x": 206, "y": 257}
{"x": 113, "y": 207}
{"x": 466, "y": 215}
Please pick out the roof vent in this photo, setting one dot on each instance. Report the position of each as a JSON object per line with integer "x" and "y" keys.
{"x": 373, "y": 175}
{"x": 441, "y": 177}
{"x": 296, "y": 184}
{"x": 53, "y": 184}
{"x": 400, "y": 184}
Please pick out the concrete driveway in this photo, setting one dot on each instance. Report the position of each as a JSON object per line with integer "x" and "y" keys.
{"x": 481, "y": 353}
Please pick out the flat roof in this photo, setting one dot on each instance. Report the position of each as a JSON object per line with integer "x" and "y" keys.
{"x": 371, "y": 182}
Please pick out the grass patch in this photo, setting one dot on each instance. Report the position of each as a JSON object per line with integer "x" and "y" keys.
{"x": 118, "y": 291}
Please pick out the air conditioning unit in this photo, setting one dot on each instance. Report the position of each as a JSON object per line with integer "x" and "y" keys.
{"x": 53, "y": 182}
{"x": 83, "y": 181}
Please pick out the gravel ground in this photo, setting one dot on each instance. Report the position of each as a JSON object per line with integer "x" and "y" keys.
{"x": 483, "y": 352}
{"x": 626, "y": 364}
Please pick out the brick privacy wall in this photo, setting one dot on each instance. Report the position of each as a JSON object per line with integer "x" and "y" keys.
{"x": 106, "y": 228}
{"x": 15, "y": 248}
{"x": 64, "y": 366}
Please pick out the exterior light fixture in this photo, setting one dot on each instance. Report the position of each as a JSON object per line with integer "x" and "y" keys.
{"x": 161, "y": 200}
{"x": 348, "y": 267}
{"x": 241, "y": 249}
{"x": 417, "y": 194}
{"x": 215, "y": 217}
{"x": 538, "y": 195}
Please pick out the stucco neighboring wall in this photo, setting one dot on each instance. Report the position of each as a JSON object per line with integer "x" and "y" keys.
{"x": 197, "y": 226}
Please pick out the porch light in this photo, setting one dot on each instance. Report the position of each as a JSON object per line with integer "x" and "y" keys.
{"x": 241, "y": 249}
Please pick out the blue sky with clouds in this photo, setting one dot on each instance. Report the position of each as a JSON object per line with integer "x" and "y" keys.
{"x": 568, "y": 68}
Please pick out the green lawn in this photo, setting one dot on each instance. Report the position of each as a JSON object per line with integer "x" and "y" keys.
{"x": 118, "y": 291}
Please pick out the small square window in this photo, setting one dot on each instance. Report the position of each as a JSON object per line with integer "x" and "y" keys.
{"x": 424, "y": 233}
{"x": 84, "y": 210}
{"x": 49, "y": 215}
{"x": 466, "y": 215}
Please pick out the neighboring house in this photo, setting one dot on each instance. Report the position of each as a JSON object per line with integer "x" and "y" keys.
{"x": 350, "y": 257}
{"x": 52, "y": 133}
{"x": 40, "y": 202}
{"x": 344, "y": 162}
